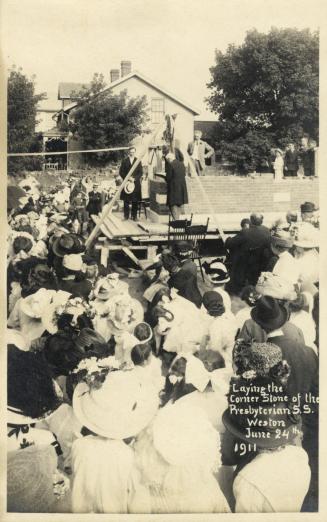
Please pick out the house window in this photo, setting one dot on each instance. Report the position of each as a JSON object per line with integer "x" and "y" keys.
{"x": 157, "y": 110}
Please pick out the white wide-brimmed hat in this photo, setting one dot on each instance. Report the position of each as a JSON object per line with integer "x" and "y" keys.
{"x": 73, "y": 262}
{"x": 306, "y": 235}
{"x": 183, "y": 435}
{"x": 124, "y": 312}
{"x": 34, "y": 305}
{"x": 274, "y": 285}
{"x": 121, "y": 408}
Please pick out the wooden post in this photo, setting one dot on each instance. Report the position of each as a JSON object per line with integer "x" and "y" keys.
{"x": 121, "y": 188}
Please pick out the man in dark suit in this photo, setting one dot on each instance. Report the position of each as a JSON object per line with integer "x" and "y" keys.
{"x": 291, "y": 161}
{"x": 131, "y": 197}
{"x": 176, "y": 185}
{"x": 247, "y": 250}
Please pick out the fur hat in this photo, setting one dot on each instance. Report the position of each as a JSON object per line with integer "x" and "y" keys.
{"x": 252, "y": 360}
{"x": 33, "y": 398}
{"x": 269, "y": 314}
{"x": 216, "y": 271}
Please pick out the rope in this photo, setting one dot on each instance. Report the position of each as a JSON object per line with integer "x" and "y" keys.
{"x": 17, "y": 154}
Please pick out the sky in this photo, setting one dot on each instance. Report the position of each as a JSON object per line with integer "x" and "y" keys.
{"x": 172, "y": 42}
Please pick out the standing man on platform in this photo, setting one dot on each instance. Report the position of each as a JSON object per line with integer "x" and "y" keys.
{"x": 131, "y": 193}
{"x": 199, "y": 151}
{"x": 291, "y": 161}
{"x": 176, "y": 185}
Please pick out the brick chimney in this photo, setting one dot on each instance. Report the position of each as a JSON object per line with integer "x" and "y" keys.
{"x": 114, "y": 75}
{"x": 126, "y": 67}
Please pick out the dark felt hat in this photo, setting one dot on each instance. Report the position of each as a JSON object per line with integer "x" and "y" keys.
{"x": 308, "y": 206}
{"x": 67, "y": 244}
{"x": 269, "y": 313}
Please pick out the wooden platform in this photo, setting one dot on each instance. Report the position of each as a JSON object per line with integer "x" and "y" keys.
{"x": 114, "y": 227}
{"x": 130, "y": 236}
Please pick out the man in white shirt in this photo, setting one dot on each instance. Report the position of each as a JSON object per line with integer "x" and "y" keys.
{"x": 199, "y": 151}
{"x": 286, "y": 265}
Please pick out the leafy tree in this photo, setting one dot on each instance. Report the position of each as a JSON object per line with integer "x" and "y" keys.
{"x": 102, "y": 119}
{"x": 21, "y": 121}
{"x": 266, "y": 93}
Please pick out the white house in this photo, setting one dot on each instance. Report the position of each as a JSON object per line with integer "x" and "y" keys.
{"x": 160, "y": 103}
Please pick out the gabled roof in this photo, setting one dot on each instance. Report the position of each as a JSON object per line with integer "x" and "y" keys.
{"x": 145, "y": 80}
{"x": 65, "y": 90}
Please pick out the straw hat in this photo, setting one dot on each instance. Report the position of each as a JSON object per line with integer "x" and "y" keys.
{"x": 30, "y": 479}
{"x": 130, "y": 186}
{"x": 121, "y": 408}
{"x": 306, "y": 235}
{"x": 273, "y": 285}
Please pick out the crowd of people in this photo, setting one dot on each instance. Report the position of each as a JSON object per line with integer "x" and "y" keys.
{"x": 296, "y": 161}
{"x": 125, "y": 405}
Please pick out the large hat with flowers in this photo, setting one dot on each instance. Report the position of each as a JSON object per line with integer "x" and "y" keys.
{"x": 124, "y": 312}
{"x": 112, "y": 402}
{"x": 274, "y": 285}
{"x": 110, "y": 286}
{"x": 56, "y": 307}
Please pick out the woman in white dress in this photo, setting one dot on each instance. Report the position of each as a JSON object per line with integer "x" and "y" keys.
{"x": 113, "y": 406}
{"x": 279, "y": 165}
{"x": 177, "y": 456}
